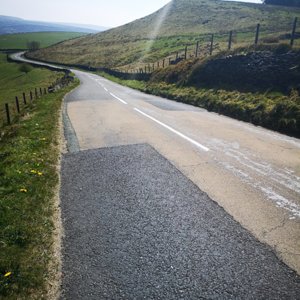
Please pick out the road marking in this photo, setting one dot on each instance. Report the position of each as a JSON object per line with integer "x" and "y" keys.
{"x": 124, "y": 102}
{"x": 174, "y": 131}
{"x": 105, "y": 89}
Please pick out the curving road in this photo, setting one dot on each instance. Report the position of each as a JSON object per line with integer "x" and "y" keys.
{"x": 253, "y": 173}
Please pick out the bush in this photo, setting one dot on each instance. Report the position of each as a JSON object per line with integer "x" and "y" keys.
{"x": 33, "y": 46}
{"x": 25, "y": 68}
{"x": 270, "y": 40}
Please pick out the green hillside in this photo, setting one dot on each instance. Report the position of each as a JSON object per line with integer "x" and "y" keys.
{"x": 20, "y": 40}
{"x": 179, "y": 23}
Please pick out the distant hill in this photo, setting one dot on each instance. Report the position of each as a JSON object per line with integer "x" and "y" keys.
{"x": 9, "y": 25}
{"x": 179, "y": 23}
{"x": 87, "y": 26}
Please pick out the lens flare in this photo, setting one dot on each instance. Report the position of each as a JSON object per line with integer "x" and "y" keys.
{"x": 162, "y": 14}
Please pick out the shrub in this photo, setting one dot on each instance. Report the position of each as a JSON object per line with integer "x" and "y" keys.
{"x": 25, "y": 68}
{"x": 34, "y": 45}
{"x": 271, "y": 40}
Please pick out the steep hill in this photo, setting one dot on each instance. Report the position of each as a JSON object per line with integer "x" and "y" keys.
{"x": 179, "y": 23}
{"x": 9, "y": 25}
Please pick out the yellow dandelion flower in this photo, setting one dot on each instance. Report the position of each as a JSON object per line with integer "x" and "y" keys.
{"x": 7, "y": 274}
{"x": 43, "y": 139}
{"x": 23, "y": 190}
{"x": 40, "y": 173}
{"x": 33, "y": 171}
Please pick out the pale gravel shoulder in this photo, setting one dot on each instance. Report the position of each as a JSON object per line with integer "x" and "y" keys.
{"x": 55, "y": 265}
{"x": 53, "y": 285}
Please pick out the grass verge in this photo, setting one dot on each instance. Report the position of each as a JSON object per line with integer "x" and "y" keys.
{"x": 270, "y": 110}
{"x": 28, "y": 179}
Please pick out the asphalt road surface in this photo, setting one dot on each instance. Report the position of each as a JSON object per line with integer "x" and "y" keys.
{"x": 137, "y": 228}
{"x": 124, "y": 194}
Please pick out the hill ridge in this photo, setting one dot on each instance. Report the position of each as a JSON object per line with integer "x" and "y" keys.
{"x": 184, "y": 23}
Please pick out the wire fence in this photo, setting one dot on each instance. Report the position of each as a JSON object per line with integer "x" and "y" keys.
{"x": 209, "y": 44}
{"x": 11, "y": 110}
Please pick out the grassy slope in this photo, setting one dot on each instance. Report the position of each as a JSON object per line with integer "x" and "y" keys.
{"x": 185, "y": 22}
{"x": 28, "y": 178}
{"x": 13, "y": 83}
{"x": 19, "y": 41}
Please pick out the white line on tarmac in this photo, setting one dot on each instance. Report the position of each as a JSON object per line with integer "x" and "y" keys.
{"x": 174, "y": 131}
{"x": 124, "y": 102}
{"x": 105, "y": 89}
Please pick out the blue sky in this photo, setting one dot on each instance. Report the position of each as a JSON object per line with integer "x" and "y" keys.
{"x": 97, "y": 12}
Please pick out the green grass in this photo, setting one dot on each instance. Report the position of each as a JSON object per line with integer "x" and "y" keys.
{"x": 186, "y": 21}
{"x": 14, "y": 83}
{"x": 20, "y": 40}
{"x": 28, "y": 180}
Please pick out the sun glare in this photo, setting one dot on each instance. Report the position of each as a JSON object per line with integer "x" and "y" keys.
{"x": 156, "y": 30}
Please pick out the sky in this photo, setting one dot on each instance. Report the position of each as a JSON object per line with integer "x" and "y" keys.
{"x": 108, "y": 13}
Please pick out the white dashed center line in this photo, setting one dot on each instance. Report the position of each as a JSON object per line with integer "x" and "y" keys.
{"x": 174, "y": 131}
{"x": 202, "y": 147}
{"x": 124, "y": 102}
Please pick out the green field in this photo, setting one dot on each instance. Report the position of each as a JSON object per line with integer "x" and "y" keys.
{"x": 180, "y": 23}
{"x": 20, "y": 40}
{"x": 29, "y": 152}
{"x": 13, "y": 83}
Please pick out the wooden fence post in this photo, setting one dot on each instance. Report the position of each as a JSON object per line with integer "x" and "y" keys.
{"x": 211, "y": 45}
{"x": 294, "y": 31}
{"x": 230, "y": 40}
{"x": 45, "y": 91}
{"x": 36, "y": 93}
{"x": 17, "y": 104}
{"x": 7, "y": 113}
{"x": 185, "y": 52}
{"x": 197, "y": 49}
{"x": 41, "y": 92}
{"x": 24, "y": 99}
{"x": 31, "y": 96}
{"x": 257, "y": 34}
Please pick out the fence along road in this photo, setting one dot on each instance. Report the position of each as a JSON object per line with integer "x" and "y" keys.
{"x": 252, "y": 172}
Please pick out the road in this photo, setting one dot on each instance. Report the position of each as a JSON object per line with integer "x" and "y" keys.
{"x": 251, "y": 172}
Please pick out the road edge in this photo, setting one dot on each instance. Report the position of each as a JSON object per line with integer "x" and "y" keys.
{"x": 53, "y": 284}
{"x": 70, "y": 137}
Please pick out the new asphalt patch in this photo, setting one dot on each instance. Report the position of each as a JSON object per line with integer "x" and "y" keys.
{"x": 137, "y": 228}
